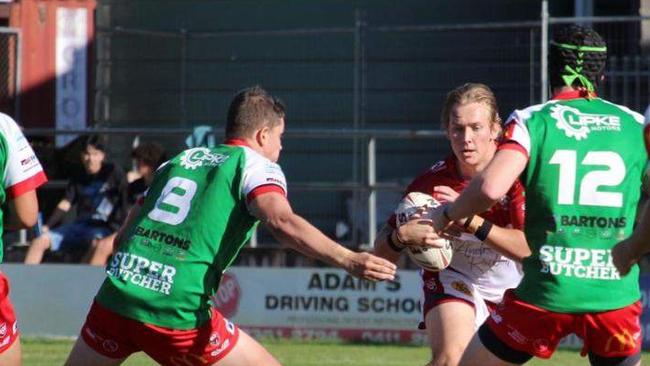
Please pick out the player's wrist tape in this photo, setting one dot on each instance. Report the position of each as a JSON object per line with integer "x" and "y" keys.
{"x": 394, "y": 246}
{"x": 483, "y": 231}
{"x": 468, "y": 222}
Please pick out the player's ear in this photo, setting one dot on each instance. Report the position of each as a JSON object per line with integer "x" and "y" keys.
{"x": 262, "y": 135}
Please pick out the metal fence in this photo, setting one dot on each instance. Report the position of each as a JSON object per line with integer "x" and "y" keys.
{"x": 362, "y": 99}
{"x": 9, "y": 70}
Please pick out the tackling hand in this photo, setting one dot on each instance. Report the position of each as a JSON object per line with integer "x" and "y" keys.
{"x": 370, "y": 267}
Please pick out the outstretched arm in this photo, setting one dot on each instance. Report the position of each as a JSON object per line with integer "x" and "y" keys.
{"x": 486, "y": 188}
{"x": 274, "y": 211}
{"x": 511, "y": 243}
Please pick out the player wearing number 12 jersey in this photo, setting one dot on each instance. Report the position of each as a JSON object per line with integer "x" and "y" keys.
{"x": 201, "y": 208}
{"x": 581, "y": 160}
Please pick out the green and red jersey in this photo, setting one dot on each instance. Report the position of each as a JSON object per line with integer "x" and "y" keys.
{"x": 20, "y": 169}
{"x": 586, "y": 158}
{"x": 192, "y": 224}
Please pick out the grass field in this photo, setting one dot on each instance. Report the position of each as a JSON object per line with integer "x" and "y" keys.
{"x": 53, "y": 352}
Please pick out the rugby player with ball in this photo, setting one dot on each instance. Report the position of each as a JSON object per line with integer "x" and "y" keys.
{"x": 485, "y": 256}
{"x": 581, "y": 159}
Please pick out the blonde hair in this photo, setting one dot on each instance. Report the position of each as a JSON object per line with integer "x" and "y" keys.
{"x": 471, "y": 93}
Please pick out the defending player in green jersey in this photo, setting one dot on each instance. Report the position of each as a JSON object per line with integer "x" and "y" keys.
{"x": 580, "y": 159}
{"x": 200, "y": 210}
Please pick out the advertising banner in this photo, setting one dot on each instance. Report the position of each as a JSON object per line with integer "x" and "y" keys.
{"x": 312, "y": 303}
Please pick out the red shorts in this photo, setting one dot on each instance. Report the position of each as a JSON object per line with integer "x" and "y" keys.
{"x": 533, "y": 330}
{"x": 115, "y": 336}
{"x": 8, "y": 324}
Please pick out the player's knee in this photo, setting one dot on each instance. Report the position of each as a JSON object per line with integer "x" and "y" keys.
{"x": 447, "y": 358}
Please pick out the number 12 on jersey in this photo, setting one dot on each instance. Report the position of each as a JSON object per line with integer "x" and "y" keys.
{"x": 589, "y": 195}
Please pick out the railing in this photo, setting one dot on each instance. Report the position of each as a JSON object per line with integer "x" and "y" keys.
{"x": 369, "y": 187}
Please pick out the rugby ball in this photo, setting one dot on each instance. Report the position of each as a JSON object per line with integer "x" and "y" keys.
{"x": 429, "y": 258}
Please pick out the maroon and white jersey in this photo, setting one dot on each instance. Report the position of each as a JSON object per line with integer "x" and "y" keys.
{"x": 490, "y": 271}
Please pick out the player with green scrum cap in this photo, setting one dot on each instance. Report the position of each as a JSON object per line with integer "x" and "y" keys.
{"x": 581, "y": 159}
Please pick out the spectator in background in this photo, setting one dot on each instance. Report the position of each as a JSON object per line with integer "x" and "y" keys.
{"x": 22, "y": 174}
{"x": 147, "y": 157}
{"x": 99, "y": 196}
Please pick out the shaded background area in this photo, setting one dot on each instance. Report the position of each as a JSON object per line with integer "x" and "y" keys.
{"x": 353, "y": 65}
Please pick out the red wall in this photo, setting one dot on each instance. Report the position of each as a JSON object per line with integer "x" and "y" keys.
{"x": 36, "y": 20}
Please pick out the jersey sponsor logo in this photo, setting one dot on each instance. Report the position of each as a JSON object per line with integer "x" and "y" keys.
{"x": 28, "y": 160}
{"x": 224, "y": 346}
{"x": 461, "y": 287}
{"x": 623, "y": 340}
{"x": 593, "y": 221}
{"x": 516, "y": 335}
{"x": 201, "y": 156}
{"x": 578, "y": 262}
{"x": 162, "y": 237}
{"x": 142, "y": 272}
{"x": 275, "y": 181}
{"x": 578, "y": 125}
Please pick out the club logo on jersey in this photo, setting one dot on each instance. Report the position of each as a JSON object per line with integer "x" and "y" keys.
{"x": 461, "y": 287}
{"x": 215, "y": 340}
{"x": 578, "y": 125}
{"x": 201, "y": 156}
{"x": 110, "y": 345}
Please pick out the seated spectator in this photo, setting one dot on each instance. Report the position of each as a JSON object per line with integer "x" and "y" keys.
{"x": 99, "y": 198}
{"x": 147, "y": 156}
